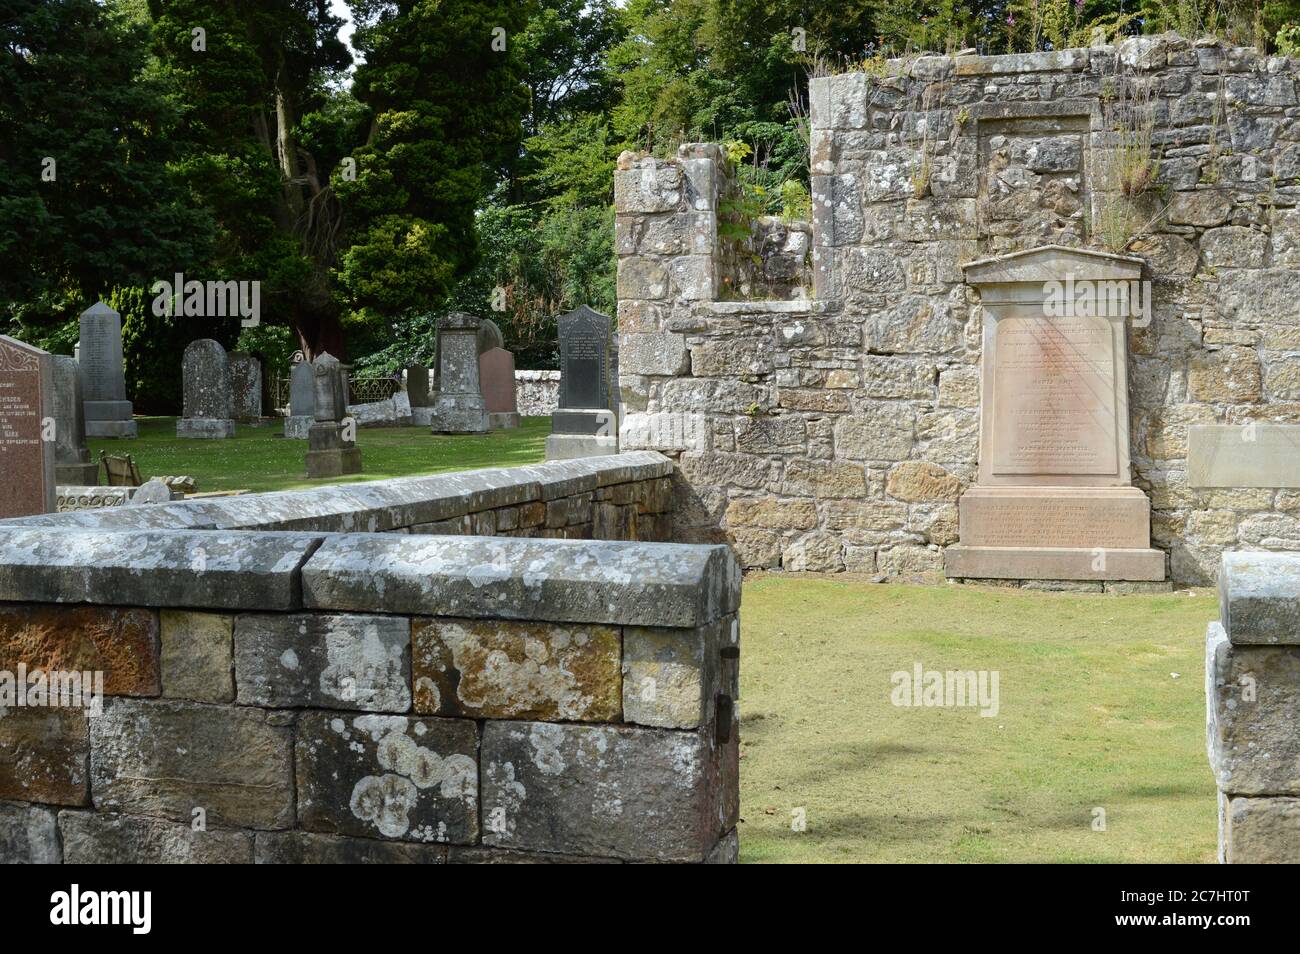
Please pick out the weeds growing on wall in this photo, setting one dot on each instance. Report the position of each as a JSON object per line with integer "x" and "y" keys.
{"x": 1129, "y": 164}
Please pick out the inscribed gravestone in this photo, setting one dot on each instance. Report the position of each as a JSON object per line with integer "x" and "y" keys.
{"x": 458, "y": 406}
{"x": 1054, "y": 498}
{"x": 302, "y": 401}
{"x": 331, "y": 451}
{"x": 206, "y": 384}
{"x": 26, "y": 430}
{"x": 103, "y": 377}
{"x": 72, "y": 464}
{"x": 496, "y": 368}
{"x": 245, "y": 386}
{"x": 585, "y": 424}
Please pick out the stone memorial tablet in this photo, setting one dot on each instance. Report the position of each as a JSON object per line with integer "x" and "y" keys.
{"x": 72, "y": 463}
{"x": 302, "y": 401}
{"x": 586, "y": 422}
{"x": 103, "y": 376}
{"x": 245, "y": 387}
{"x": 26, "y": 430}
{"x": 206, "y": 385}
{"x": 496, "y": 368}
{"x": 458, "y": 405}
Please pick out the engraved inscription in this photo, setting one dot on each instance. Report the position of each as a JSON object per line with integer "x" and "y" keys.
{"x": 1054, "y": 397}
{"x": 1056, "y": 523}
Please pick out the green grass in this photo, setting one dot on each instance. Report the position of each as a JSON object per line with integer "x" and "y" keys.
{"x": 259, "y": 458}
{"x": 1091, "y": 717}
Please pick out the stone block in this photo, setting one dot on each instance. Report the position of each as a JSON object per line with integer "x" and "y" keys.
{"x": 881, "y": 432}
{"x": 306, "y": 848}
{"x": 1260, "y": 831}
{"x": 1226, "y": 376}
{"x": 196, "y": 656}
{"x": 576, "y": 581}
{"x": 672, "y": 677}
{"x": 323, "y": 660}
{"x": 662, "y": 353}
{"x": 918, "y": 481}
{"x": 395, "y": 777}
{"x": 771, "y": 513}
{"x": 43, "y": 755}
{"x": 820, "y": 478}
{"x": 93, "y": 838}
{"x": 614, "y": 791}
{"x": 28, "y": 835}
{"x": 1249, "y": 455}
{"x": 120, "y": 643}
{"x": 1259, "y": 599}
{"x": 169, "y": 758}
{"x": 1253, "y": 703}
{"x": 490, "y": 669}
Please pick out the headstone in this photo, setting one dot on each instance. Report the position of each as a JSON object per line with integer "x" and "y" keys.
{"x": 26, "y": 429}
{"x": 417, "y": 392}
{"x": 302, "y": 401}
{"x": 103, "y": 376}
{"x": 1054, "y": 499}
{"x": 586, "y": 422}
{"x": 151, "y": 492}
{"x": 206, "y": 383}
{"x": 72, "y": 463}
{"x": 245, "y": 387}
{"x": 458, "y": 405}
{"x": 489, "y": 336}
{"x": 332, "y": 451}
{"x": 496, "y": 370}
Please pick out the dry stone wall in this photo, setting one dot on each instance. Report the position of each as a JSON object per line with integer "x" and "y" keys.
{"x": 838, "y": 433}
{"x": 291, "y": 692}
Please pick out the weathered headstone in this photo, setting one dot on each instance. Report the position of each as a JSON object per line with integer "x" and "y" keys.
{"x": 332, "y": 451}
{"x": 152, "y": 491}
{"x": 417, "y": 391}
{"x": 496, "y": 369}
{"x": 103, "y": 376}
{"x": 458, "y": 405}
{"x": 206, "y": 384}
{"x": 72, "y": 463}
{"x": 1054, "y": 498}
{"x": 245, "y": 387}
{"x": 26, "y": 429}
{"x": 586, "y": 422}
{"x": 302, "y": 401}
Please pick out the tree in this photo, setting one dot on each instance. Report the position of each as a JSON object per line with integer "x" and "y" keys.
{"x": 87, "y": 200}
{"x": 253, "y": 78}
{"x": 442, "y": 86}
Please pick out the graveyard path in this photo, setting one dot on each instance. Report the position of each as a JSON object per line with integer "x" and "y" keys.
{"x": 1100, "y": 722}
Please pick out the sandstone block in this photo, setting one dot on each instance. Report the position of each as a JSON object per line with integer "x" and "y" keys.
{"x": 93, "y": 838}
{"x": 671, "y": 677}
{"x": 196, "y": 656}
{"x": 120, "y": 643}
{"x": 306, "y": 848}
{"x": 28, "y": 835}
{"x": 43, "y": 755}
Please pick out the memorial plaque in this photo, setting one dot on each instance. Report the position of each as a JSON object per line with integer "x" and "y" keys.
{"x": 1054, "y": 499}
{"x": 26, "y": 436}
{"x": 1054, "y": 397}
{"x": 584, "y": 359}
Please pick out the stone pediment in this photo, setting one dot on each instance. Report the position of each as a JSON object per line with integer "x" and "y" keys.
{"x": 1052, "y": 263}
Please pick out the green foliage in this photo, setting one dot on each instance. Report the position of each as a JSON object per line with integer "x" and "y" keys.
{"x": 87, "y": 200}
{"x": 1288, "y": 39}
{"x": 444, "y": 106}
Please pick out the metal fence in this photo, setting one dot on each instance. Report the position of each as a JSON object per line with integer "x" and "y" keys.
{"x": 361, "y": 390}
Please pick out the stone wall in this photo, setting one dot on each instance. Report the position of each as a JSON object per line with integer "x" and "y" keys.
{"x": 537, "y": 393}
{"x": 299, "y": 694}
{"x": 838, "y": 433}
{"x": 618, "y": 497}
{"x": 1252, "y": 688}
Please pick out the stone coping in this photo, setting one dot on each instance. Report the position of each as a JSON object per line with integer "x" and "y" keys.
{"x": 374, "y": 506}
{"x": 580, "y": 581}
{"x": 1259, "y": 598}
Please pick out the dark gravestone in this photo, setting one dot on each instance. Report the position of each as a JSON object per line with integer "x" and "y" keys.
{"x": 302, "y": 401}
{"x": 206, "y": 384}
{"x": 103, "y": 376}
{"x": 72, "y": 463}
{"x": 26, "y": 429}
{"x": 585, "y": 424}
{"x": 245, "y": 387}
{"x": 496, "y": 371}
{"x": 332, "y": 451}
{"x": 417, "y": 386}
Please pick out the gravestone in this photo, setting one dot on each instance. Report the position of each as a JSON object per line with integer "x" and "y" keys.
{"x": 245, "y": 387}
{"x": 458, "y": 406}
{"x": 26, "y": 429}
{"x": 103, "y": 376}
{"x": 72, "y": 463}
{"x": 206, "y": 384}
{"x": 417, "y": 386}
{"x": 1054, "y": 499}
{"x": 302, "y": 401}
{"x": 332, "y": 451}
{"x": 586, "y": 423}
{"x": 496, "y": 370}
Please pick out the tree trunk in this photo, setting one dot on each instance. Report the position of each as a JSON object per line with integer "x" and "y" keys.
{"x": 319, "y": 330}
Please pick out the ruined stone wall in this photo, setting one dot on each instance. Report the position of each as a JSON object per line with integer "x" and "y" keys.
{"x": 839, "y": 433}
{"x": 305, "y": 697}
{"x": 1252, "y": 689}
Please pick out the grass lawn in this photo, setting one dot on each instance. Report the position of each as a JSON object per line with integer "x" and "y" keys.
{"x": 1091, "y": 716}
{"x": 259, "y": 458}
